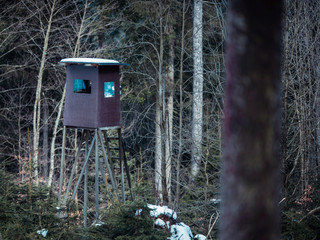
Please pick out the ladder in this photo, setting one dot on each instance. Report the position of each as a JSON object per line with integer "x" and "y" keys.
{"x": 116, "y": 153}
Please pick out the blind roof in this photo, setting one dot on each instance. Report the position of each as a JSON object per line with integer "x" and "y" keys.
{"x": 91, "y": 61}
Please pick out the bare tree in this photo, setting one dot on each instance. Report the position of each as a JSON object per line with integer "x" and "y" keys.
{"x": 37, "y": 104}
{"x": 300, "y": 146}
{"x": 61, "y": 104}
{"x": 169, "y": 113}
{"x": 197, "y": 107}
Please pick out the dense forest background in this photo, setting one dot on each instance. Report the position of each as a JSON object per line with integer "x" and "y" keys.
{"x": 157, "y": 39}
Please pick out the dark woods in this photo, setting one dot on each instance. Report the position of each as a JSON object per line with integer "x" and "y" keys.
{"x": 156, "y": 39}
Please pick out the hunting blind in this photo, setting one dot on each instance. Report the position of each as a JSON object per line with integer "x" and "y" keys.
{"x": 92, "y": 93}
{"x": 92, "y": 105}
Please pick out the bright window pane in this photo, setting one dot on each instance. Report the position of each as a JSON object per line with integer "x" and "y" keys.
{"x": 108, "y": 89}
{"x": 82, "y": 86}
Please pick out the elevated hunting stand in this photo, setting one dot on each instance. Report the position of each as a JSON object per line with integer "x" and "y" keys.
{"x": 92, "y": 105}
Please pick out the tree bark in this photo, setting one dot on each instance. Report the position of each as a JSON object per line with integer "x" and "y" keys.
{"x": 169, "y": 117}
{"x": 54, "y": 136}
{"x": 250, "y": 177}
{"x": 196, "y": 149}
{"x": 177, "y": 197}
{"x": 37, "y": 103}
{"x": 158, "y": 125}
{"x": 45, "y": 132}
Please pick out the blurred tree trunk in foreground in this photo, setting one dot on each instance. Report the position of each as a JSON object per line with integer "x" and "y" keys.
{"x": 250, "y": 178}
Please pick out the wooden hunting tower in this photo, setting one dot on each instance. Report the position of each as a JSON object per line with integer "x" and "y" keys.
{"x": 92, "y": 105}
{"x": 92, "y": 93}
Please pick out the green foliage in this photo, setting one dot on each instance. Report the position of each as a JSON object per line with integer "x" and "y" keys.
{"x": 299, "y": 220}
{"x": 293, "y": 228}
{"x": 25, "y": 210}
{"x": 131, "y": 220}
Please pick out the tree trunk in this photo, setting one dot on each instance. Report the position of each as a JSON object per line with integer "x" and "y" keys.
{"x": 177, "y": 198}
{"x": 37, "y": 103}
{"x": 158, "y": 125}
{"x": 169, "y": 118}
{"x": 250, "y": 178}
{"x": 76, "y": 53}
{"x": 45, "y": 149}
{"x": 54, "y": 136}
{"x": 196, "y": 149}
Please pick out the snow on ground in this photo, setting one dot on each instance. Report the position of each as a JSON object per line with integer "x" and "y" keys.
{"x": 215, "y": 201}
{"x": 42, "y": 232}
{"x": 156, "y": 211}
{"x": 159, "y": 222}
{"x": 200, "y": 237}
{"x": 179, "y": 231}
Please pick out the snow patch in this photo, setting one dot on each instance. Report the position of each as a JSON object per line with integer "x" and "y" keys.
{"x": 215, "y": 201}
{"x": 98, "y": 223}
{"x": 159, "y": 222}
{"x": 168, "y": 224}
{"x": 180, "y": 231}
{"x": 138, "y": 212}
{"x": 43, "y": 232}
{"x": 200, "y": 237}
{"x": 156, "y": 211}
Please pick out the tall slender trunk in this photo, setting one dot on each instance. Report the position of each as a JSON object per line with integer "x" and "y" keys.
{"x": 158, "y": 124}
{"x": 196, "y": 149}
{"x": 76, "y": 53}
{"x": 54, "y": 136}
{"x": 37, "y": 103}
{"x": 21, "y": 162}
{"x": 169, "y": 118}
{"x": 45, "y": 148}
{"x": 177, "y": 198}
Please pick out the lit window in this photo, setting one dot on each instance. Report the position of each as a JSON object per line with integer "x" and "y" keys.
{"x": 108, "y": 89}
{"x": 82, "y": 86}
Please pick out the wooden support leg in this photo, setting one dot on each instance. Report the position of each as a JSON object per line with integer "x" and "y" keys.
{"x": 72, "y": 172}
{"x": 109, "y": 157}
{"x": 97, "y": 175}
{"x": 122, "y": 149}
{"x": 113, "y": 182}
{"x": 121, "y": 167}
{"x": 85, "y": 197}
{"x": 83, "y": 168}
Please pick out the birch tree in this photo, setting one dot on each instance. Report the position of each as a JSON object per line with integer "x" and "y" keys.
{"x": 169, "y": 114}
{"x": 37, "y": 103}
{"x": 196, "y": 149}
{"x": 250, "y": 178}
{"x": 61, "y": 103}
{"x": 158, "y": 123}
